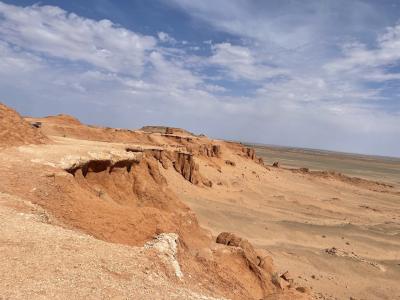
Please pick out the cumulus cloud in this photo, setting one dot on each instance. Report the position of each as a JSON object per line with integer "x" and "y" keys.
{"x": 52, "y": 31}
{"x": 165, "y": 37}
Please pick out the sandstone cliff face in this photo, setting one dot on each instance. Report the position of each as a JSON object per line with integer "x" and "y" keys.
{"x": 160, "y": 155}
{"x": 185, "y": 165}
{"x": 202, "y": 148}
{"x": 182, "y": 162}
{"x": 210, "y": 150}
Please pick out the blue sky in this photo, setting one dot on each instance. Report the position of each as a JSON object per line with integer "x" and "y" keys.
{"x": 318, "y": 74}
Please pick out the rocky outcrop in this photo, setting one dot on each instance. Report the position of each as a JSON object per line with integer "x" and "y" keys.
{"x": 179, "y": 138}
{"x": 185, "y": 165}
{"x": 177, "y": 131}
{"x": 200, "y": 148}
{"x": 100, "y": 161}
{"x": 167, "y": 245}
{"x": 231, "y": 239}
{"x": 36, "y": 124}
{"x": 166, "y": 130}
{"x": 157, "y": 153}
{"x": 249, "y": 152}
{"x": 210, "y": 150}
{"x": 154, "y": 129}
{"x": 276, "y": 164}
{"x": 182, "y": 162}
{"x": 258, "y": 264}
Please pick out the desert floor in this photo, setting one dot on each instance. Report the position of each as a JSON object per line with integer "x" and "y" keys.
{"x": 297, "y": 217}
{"x": 366, "y": 166}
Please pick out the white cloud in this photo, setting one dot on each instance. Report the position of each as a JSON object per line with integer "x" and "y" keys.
{"x": 322, "y": 91}
{"x": 172, "y": 74}
{"x": 165, "y": 37}
{"x": 239, "y": 62}
{"x": 370, "y": 62}
{"x": 14, "y": 61}
{"x": 52, "y": 31}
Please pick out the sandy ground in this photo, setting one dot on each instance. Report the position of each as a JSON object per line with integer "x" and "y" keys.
{"x": 43, "y": 261}
{"x": 296, "y": 217}
{"x": 365, "y": 166}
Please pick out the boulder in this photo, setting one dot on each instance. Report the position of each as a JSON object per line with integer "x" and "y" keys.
{"x": 259, "y": 265}
{"x": 230, "y": 163}
{"x": 231, "y": 239}
{"x": 208, "y": 183}
{"x": 287, "y": 277}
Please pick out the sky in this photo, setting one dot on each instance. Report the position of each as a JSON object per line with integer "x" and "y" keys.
{"x": 319, "y": 74}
